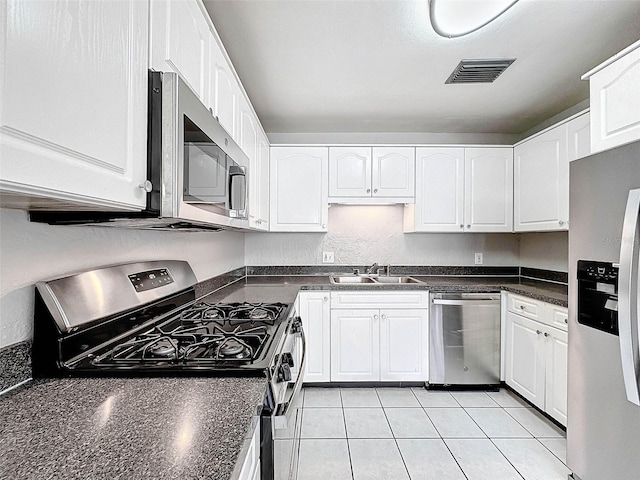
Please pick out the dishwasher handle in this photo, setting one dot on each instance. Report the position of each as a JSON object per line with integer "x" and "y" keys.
{"x": 488, "y": 301}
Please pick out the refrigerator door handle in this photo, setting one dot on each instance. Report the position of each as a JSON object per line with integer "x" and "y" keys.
{"x": 628, "y": 284}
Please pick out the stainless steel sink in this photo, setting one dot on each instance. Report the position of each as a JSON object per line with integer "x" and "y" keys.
{"x": 370, "y": 280}
{"x": 351, "y": 279}
{"x": 392, "y": 280}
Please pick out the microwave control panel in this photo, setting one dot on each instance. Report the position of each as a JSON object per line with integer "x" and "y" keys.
{"x": 150, "y": 279}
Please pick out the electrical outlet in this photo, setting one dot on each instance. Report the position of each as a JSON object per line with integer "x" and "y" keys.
{"x": 478, "y": 258}
{"x": 327, "y": 257}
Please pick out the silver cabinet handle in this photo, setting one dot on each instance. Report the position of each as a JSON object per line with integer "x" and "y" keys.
{"x": 538, "y": 332}
{"x": 461, "y": 226}
{"x": 323, "y": 226}
{"x": 561, "y": 222}
{"x": 375, "y": 317}
{"x": 522, "y": 307}
{"x": 468, "y": 226}
{"x": 384, "y": 317}
{"x": 325, "y": 299}
{"x": 375, "y": 190}
{"x": 546, "y": 334}
{"x": 368, "y": 190}
{"x": 147, "y": 186}
{"x": 628, "y": 314}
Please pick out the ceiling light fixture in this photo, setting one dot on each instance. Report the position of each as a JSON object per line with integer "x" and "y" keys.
{"x": 455, "y": 18}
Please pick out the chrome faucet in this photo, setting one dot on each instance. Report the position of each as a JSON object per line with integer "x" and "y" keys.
{"x": 373, "y": 269}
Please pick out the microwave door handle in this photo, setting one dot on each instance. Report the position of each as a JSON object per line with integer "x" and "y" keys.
{"x": 628, "y": 284}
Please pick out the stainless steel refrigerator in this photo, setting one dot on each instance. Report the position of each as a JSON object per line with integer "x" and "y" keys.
{"x": 603, "y": 429}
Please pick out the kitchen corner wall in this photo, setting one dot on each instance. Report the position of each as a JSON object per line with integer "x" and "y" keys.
{"x": 548, "y": 250}
{"x": 361, "y": 235}
{"x": 30, "y": 252}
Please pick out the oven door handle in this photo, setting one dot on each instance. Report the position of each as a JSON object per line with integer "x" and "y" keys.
{"x": 282, "y": 411}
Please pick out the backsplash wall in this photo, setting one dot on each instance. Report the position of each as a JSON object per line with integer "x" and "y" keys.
{"x": 30, "y": 252}
{"x": 360, "y": 235}
{"x": 548, "y": 250}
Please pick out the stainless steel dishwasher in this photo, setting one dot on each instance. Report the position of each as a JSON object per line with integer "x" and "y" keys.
{"x": 464, "y": 339}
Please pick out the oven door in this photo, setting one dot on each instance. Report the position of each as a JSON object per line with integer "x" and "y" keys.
{"x": 280, "y": 461}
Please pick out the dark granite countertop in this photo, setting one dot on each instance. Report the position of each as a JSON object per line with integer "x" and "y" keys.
{"x": 285, "y": 288}
{"x": 182, "y": 428}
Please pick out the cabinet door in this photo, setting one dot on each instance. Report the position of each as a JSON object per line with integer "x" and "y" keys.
{"x": 488, "y": 189}
{"x": 263, "y": 182}
{"x": 180, "y": 43}
{"x": 298, "y": 193}
{"x": 541, "y": 182}
{"x": 224, "y": 91}
{"x": 403, "y": 345}
{"x": 355, "y": 345}
{"x": 393, "y": 172}
{"x": 525, "y": 358}
{"x": 73, "y": 92}
{"x": 579, "y": 137}
{"x": 556, "y": 374}
{"x": 439, "y": 203}
{"x": 615, "y": 102}
{"x": 316, "y": 320}
{"x": 349, "y": 172}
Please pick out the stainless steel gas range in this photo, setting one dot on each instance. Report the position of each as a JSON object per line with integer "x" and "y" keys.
{"x": 142, "y": 319}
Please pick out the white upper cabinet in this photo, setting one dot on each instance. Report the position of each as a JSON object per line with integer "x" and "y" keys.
{"x": 462, "y": 190}
{"x": 349, "y": 172}
{"x": 248, "y": 131}
{"x": 362, "y": 175}
{"x": 393, "y": 173}
{"x": 73, "y": 122}
{"x": 488, "y": 178}
{"x": 224, "y": 92}
{"x": 439, "y": 205}
{"x": 579, "y": 137}
{"x": 180, "y": 41}
{"x": 615, "y": 100}
{"x": 261, "y": 192}
{"x": 298, "y": 189}
{"x": 541, "y": 182}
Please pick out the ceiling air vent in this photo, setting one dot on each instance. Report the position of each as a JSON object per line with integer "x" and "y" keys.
{"x": 479, "y": 71}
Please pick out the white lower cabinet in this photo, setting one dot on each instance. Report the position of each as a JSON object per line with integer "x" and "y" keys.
{"x": 536, "y": 356}
{"x": 379, "y": 343}
{"x": 251, "y": 463}
{"x": 355, "y": 345}
{"x": 314, "y": 310}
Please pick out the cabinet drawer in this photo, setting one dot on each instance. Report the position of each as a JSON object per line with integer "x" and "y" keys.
{"x": 406, "y": 299}
{"x": 526, "y": 307}
{"x": 556, "y": 316}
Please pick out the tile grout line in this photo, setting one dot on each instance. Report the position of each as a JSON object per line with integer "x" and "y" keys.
{"x": 346, "y": 435}
{"x": 550, "y": 451}
{"x": 488, "y": 437}
{"x": 440, "y": 435}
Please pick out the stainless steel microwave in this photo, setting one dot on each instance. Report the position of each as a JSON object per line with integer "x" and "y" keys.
{"x": 196, "y": 172}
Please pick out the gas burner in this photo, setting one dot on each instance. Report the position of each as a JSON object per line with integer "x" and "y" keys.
{"x": 232, "y": 348}
{"x": 163, "y": 348}
{"x": 258, "y": 313}
{"x": 213, "y": 313}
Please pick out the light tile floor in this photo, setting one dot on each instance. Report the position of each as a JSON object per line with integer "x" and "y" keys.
{"x": 415, "y": 434}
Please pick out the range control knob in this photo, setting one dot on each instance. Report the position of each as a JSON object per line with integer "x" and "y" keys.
{"x": 287, "y": 358}
{"x": 296, "y": 325}
{"x": 284, "y": 373}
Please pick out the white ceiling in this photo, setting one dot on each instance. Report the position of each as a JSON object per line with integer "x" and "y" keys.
{"x": 378, "y": 66}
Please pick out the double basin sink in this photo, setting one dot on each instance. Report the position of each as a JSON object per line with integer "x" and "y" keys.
{"x": 371, "y": 280}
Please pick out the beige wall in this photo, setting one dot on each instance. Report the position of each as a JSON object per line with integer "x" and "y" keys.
{"x": 367, "y": 234}
{"x": 549, "y": 250}
{"x": 30, "y": 252}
